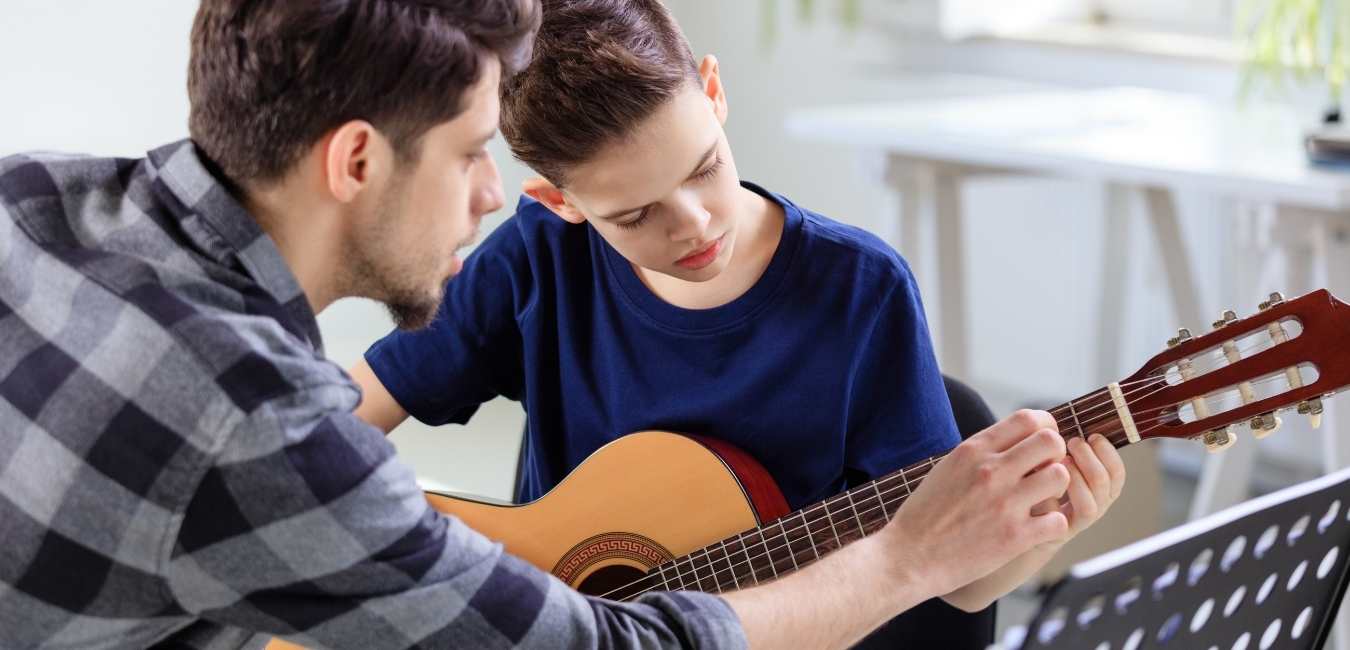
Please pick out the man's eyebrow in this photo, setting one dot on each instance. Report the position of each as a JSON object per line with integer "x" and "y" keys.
{"x": 487, "y": 137}
{"x": 703, "y": 160}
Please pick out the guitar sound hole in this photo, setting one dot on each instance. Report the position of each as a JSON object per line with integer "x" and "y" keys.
{"x": 615, "y": 582}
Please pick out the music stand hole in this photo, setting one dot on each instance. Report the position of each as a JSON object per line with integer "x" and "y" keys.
{"x": 1301, "y": 623}
{"x": 1266, "y": 587}
{"x": 1328, "y": 561}
{"x": 1233, "y": 553}
{"x": 1202, "y": 615}
{"x": 1272, "y": 633}
{"x": 1329, "y": 518}
{"x": 1266, "y": 541}
{"x": 1297, "y": 576}
{"x": 1235, "y": 601}
{"x": 1199, "y": 567}
{"x": 1166, "y": 580}
{"x": 1298, "y": 529}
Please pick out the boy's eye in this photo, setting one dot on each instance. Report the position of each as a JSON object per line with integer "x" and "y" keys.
{"x": 710, "y": 171}
{"x": 636, "y": 222}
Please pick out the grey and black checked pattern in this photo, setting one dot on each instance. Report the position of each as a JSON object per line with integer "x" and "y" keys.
{"x": 179, "y": 465}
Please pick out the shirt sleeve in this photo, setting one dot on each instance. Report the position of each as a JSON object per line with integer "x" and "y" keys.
{"x": 307, "y": 527}
{"x": 899, "y": 413}
{"x": 472, "y": 351}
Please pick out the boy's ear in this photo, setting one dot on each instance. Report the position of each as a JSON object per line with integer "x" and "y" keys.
{"x": 712, "y": 86}
{"x": 548, "y": 194}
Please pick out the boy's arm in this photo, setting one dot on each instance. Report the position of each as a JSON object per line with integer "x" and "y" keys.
{"x": 973, "y": 512}
{"x": 1097, "y": 477}
{"x": 470, "y": 353}
{"x": 378, "y": 408}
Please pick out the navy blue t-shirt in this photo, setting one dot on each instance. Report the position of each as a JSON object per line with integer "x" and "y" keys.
{"x": 823, "y": 370}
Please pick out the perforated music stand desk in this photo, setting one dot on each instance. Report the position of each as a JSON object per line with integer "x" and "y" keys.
{"x": 1268, "y": 573}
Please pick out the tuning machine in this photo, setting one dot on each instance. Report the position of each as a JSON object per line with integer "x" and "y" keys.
{"x": 1182, "y": 336}
{"x": 1313, "y": 409}
{"x": 1217, "y": 440}
{"x": 1265, "y": 424}
{"x": 1275, "y": 299}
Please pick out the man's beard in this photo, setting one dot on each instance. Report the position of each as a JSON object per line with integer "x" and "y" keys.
{"x": 380, "y": 270}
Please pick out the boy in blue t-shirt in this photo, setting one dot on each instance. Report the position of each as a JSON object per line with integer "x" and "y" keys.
{"x": 645, "y": 286}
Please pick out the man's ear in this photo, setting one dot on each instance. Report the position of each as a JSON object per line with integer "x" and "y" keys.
{"x": 539, "y": 189}
{"x": 352, "y": 155}
{"x": 711, "y": 75}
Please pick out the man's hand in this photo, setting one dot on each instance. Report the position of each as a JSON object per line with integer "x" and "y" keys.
{"x": 974, "y": 512}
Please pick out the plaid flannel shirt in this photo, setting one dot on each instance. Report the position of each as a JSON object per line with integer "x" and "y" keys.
{"x": 179, "y": 463}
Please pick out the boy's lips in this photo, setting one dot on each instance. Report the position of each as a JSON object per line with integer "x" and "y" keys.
{"x": 702, "y": 257}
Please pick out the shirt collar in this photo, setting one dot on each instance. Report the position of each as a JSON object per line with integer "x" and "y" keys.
{"x": 211, "y": 216}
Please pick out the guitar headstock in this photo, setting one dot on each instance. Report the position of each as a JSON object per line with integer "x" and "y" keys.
{"x": 1288, "y": 355}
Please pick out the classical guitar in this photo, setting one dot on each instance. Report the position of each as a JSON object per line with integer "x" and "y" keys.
{"x": 662, "y": 511}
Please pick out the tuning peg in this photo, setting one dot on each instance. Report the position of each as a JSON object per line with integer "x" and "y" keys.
{"x": 1227, "y": 317}
{"x": 1266, "y": 424}
{"x": 1275, "y": 299}
{"x": 1182, "y": 336}
{"x": 1218, "y": 440}
{"x": 1313, "y": 409}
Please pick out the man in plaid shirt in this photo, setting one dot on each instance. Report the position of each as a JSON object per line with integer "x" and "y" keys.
{"x": 179, "y": 463}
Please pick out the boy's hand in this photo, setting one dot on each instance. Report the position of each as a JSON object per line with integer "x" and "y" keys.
{"x": 1096, "y": 478}
{"x": 974, "y": 511}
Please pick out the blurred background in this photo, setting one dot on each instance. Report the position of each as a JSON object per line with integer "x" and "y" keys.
{"x": 1072, "y": 180}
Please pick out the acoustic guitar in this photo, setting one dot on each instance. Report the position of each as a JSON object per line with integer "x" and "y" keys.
{"x": 694, "y": 513}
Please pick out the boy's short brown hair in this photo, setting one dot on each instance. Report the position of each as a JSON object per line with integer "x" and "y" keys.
{"x": 599, "y": 68}
{"x": 268, "y": 78}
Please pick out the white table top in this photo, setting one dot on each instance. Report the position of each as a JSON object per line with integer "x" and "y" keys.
{"x": 1127, "y": 135}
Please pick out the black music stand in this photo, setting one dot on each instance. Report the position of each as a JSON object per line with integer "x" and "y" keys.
{"x": 1268, "y": 573}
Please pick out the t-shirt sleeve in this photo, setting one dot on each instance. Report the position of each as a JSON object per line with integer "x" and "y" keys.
{"x": 898, "y": 410}
{"x": 471, "y": 352}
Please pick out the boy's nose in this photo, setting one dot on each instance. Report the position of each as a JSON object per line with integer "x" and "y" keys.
{"x": 691, "y": 222}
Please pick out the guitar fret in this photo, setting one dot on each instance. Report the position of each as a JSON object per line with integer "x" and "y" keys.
{"x": 712, "y": 575}
{"x": 1074, "y": 414}
{"x": 782, "y": 527}
{"x": 881, "y": 501}
{"x": 769, "y": 554}
{"x": 683, "y": 584}
{"x": 862, "y": 530}
{"x": 809, "y": 534}
{"x": 837, "y": 544}
{"x": 749, "y": 564}
{"x": 661, "y": 571}
{"x": 730, "y": 569}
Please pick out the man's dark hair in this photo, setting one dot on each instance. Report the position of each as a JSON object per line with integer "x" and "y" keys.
{"x": 268, "y": 78}
{"x": 599, "y": 68}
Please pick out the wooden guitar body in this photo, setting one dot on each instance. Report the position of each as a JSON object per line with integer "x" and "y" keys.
{"x": 637, "y": 502}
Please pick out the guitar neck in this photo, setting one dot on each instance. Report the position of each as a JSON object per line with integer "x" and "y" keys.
{"x": 804, "y": 536}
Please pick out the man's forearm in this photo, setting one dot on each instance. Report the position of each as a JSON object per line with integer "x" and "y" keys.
{"x": 832, "y": 603}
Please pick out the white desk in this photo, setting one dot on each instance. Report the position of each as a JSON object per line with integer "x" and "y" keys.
{"x": 1136, "y": 143}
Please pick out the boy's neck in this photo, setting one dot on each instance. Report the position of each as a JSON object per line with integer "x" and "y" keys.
{"x": 758, "y": 231}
